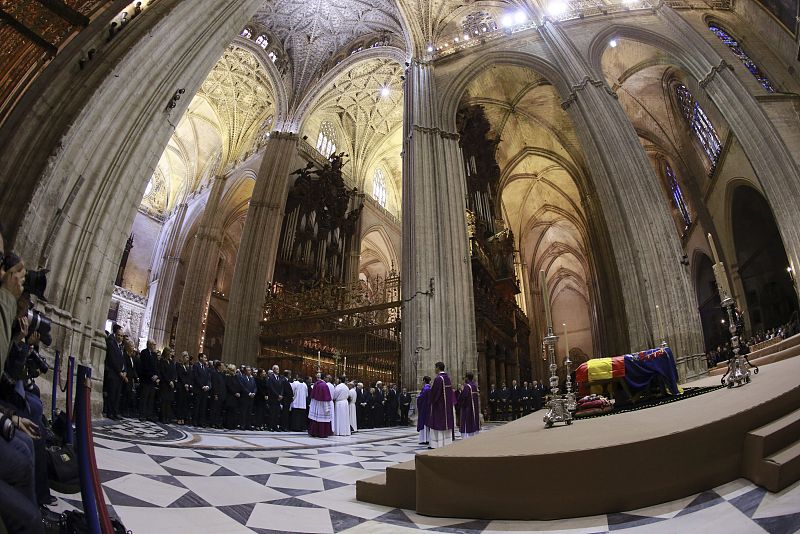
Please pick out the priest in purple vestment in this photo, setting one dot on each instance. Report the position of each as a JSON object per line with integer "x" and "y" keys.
{"x": 320, "y": 413}
{"x": 469, "y": 408}
{"x": 441, "y": 417}
{"x": 422, "y": 411}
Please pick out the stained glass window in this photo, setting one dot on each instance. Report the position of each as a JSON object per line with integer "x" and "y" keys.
{"x": 677, "y": 196}
{"x": 326, "y": 141}
{"x": 262, "y": 41}
{"x": 733, "y": 44}
{"x": 379, "y": 187}
{"x": 699, "y": 123}
{"x": 273, "y": 57}
{"x": 246, "y": 33}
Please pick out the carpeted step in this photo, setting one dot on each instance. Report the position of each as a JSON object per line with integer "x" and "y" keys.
{"x": 771, "y": 456}
{"x": 782, "y": 468}
{"x": 395, "y": 488}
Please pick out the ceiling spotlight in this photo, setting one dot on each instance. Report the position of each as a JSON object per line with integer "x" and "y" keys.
{"x": 456, "y": 39}
{"x": 612, "y": 43}
{"x": 430, "y": 48}
{"x": 385, "y": 91}
{"x": 466, "y": 37}
{"x": 556, "y": 8}
{"x": 507, "y": 21}
{"x": 520, "y": 17}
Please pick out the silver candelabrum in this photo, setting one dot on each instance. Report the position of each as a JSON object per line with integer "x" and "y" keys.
{"x": 560, "y": 406}
{"x": 738, "y": 372}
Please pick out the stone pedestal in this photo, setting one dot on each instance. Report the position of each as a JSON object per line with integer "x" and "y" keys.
{"x": 439, "y": 314}
{"x": 258, "y": 249}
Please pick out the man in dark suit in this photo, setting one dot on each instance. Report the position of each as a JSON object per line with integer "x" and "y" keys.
{"x": 201, "y": 382}
{"x": 116, "y": 373}
{"x": 503, "y": 402}
{"x": 274, "y": 397}
{"x": 405, "y": 406}
{"x": 379, "y": 406}
{"x": 392, "y": 405}
{"x": 234, "y": 392}
{"x": 148, "y": 378}
{"x": 537, "y": 394}
{"x": 218, "y": 393}
{"x": 286, "y": 401}
{"x": 493, "y": 401}
{"x": 515, "y": 398}
{"x": 168, "y": 380}
{"x": 246, "y": 400}
{"x": 260, "y": 402}
{"x": 361, "y": 405}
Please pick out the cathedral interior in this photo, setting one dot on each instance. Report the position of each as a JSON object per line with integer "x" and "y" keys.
{"x": 515, "y": 188}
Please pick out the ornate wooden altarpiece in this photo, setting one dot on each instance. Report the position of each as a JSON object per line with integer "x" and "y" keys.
{"x": 317, "y": 312}
{"x": 501, "y": 327}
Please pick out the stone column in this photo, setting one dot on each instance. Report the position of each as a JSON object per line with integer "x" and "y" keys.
{"x": 439, "y": 314}
{"x": 641, "y": 231}
{"x": 258, "y": 249}
{"x": 200, "y": 273}
{"x": 772, "y": 162}
{"x": 167, "y": 271}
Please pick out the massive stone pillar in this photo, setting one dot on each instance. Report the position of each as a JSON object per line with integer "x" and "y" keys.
{"x": 164, "y": 278}
{"x": 200, "y": 273}
{"x": 771, "y": 160}
{"x": 258, "y": 249}
{"x": 642, "y": 234}
{"x": 439, "y": 314}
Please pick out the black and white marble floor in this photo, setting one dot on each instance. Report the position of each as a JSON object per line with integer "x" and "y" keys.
{"x": 186, "y": 480}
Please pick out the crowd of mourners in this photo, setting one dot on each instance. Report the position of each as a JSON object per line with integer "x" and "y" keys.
{"x": 153, "y": 385}
{"x": 724, "y": 351}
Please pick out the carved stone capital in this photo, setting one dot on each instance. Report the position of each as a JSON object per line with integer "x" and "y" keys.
{"x": 586, "y": 81}
{"x": 436, "y": 131}
{"x": 713, "y": 72}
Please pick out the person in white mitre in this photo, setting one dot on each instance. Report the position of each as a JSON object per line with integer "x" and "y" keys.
{"x": 341, "y": 410}
{"x": 351, "y": 399}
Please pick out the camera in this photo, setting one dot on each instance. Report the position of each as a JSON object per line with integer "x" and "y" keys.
{"x": 35, "y": 281}
{"x": 39, "y": 322}
{"x": 35, "y": 365}
{"x": 7, "y": 428}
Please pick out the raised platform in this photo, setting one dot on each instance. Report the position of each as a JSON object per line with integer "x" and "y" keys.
{"x": 609, "y": 464}
{"x": 783, "y": 350}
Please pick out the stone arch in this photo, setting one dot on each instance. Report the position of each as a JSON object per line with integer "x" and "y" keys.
{"x": 453, "y": 92}
{"x": 276, "y": 81}
{"x": 761, "y": 260}
{"x": 306, "y": 105}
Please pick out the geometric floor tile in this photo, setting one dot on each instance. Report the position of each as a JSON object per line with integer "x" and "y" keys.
{"x": 162, "y": 479}
{"x": 227, "y": 491}
{"x": 290, "y": 519}
{"x": 146, "y": 489}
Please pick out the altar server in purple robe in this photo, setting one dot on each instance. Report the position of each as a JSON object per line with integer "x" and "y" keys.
{"x": 441, "y": 414}
{"x": 320, "y": 414}
{"x": 469, "y": 408}
{"x": 422, "y": 411}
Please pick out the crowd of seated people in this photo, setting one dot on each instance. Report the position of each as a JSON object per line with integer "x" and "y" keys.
{"x": 724, "y": 352}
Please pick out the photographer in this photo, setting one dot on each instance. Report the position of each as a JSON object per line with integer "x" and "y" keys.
{"x": 18, "y": 504}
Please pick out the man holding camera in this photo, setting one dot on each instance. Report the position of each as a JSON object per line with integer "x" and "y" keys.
{"x": 19, "y": 508}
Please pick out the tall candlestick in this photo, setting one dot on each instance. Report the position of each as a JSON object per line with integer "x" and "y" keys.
{"x": 319, "y": 361}
{"x": 344, "y": 369}
{"x": 566, "y": 340}
{"x": 546, "y": 299}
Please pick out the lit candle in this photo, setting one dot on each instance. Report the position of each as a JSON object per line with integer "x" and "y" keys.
{"x": 319, "y": 361}
{"x": 546, "y": 299}
{"x": 713, "y": 248}
{"x": 566, "y": 340}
